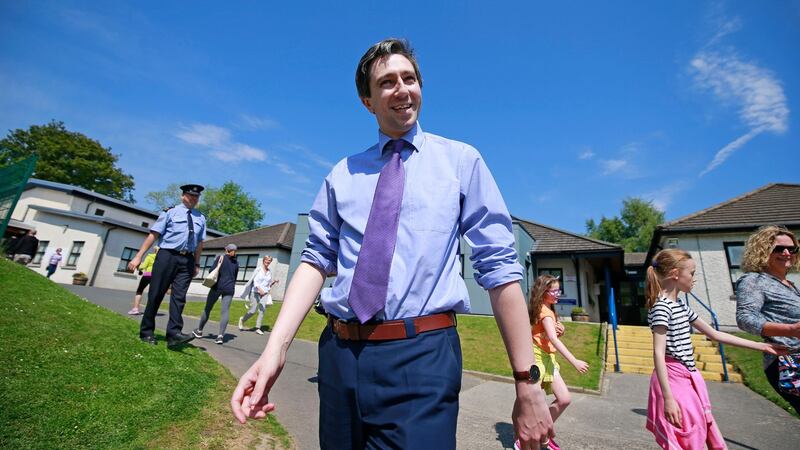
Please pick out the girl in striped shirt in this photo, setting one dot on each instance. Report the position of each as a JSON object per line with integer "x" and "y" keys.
{"x": 678, "y": 408}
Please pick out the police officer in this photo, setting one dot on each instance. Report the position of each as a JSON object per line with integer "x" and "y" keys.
{"x": 180, "y": 232}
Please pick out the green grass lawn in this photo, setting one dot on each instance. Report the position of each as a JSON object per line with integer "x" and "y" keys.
{"x": 74, "y": 375}
{"x": 750, "y": 364}
{"x": 481, "y": 344}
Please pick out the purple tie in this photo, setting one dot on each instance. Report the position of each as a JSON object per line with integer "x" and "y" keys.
{"x": 371, "y": 275}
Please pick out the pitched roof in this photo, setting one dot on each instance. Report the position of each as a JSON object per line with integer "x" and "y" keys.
{"x": 776, "y": 203}
{"x": 635, "y": 258}
{"x": 280, "y": 235}
{"x": 552, "y": 240}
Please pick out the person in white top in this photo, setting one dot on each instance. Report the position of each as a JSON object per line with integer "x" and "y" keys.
{"x": 256, "y": 291}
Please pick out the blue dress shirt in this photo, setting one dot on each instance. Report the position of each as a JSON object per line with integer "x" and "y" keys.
{"x": 449, "y": 192}
{"x": 173, "y": 227}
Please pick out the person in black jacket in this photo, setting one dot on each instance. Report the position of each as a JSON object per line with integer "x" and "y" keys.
{"x": 226, "y": 284}
{"x": 25, "y": 248}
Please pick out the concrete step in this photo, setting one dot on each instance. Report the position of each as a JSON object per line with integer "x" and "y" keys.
{"x": 733, "y": 377}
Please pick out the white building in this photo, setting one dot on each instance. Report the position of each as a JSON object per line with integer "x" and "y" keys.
{"x": 715, "y": 238}
{"x": 252, "y": 246}
{"x": 98, "y": 234}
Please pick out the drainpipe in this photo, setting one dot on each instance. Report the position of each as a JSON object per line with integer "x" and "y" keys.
{"x": 102, "y": 252}
{"x": 577, "y": 278}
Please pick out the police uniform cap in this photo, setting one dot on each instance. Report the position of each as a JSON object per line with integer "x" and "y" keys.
{"x": 194, "y": 189}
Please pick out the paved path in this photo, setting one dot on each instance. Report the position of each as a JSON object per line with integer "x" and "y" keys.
{"x": 614, "y": 420}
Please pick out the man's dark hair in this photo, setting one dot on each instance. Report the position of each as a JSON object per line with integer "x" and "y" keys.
{"x": 380, "y": 50}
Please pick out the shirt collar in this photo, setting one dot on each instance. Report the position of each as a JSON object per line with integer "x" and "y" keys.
{"x": 414, "y": 136}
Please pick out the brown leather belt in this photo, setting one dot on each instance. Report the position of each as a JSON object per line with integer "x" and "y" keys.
{"x": 392, "y": 329}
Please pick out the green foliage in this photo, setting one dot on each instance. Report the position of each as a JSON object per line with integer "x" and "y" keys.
{"x": 74, "y": 375}
{"x": 68, "y": 157}
{"x": 230, "y": 209}
{"x": 578, "y": 310}
{"x": 167, "y": 198}
{"x": 633, "y": 230}
{"x": 227, "y": 208}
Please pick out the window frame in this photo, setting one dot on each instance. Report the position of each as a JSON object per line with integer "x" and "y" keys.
{"x": 40, "y": 251}
{"x": 73, "y": 254}
{"x": 206, "y": 265}
{"x": 731, "y": 266}
{"x": 245, "y": 270}
{"x": 122, "y": 267}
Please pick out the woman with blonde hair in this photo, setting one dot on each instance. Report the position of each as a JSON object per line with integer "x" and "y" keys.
{"x": 768, "y": 303}
{"x": 678, "y": 406}
{"x": 257, "y": 292}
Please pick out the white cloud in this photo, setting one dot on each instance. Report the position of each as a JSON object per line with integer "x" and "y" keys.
{"x": 219, "y": 140}
{"x": 611, "y": 166}
{"x": 586, "y": 153}
{"x": 662, "y": 198}
{"x": 253, "y": 123}
{"x": 756, "y": 92}
{"x": 205, "y": 135}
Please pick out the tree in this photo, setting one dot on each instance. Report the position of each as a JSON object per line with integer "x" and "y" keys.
{"x": 633, "y": 230}
{"x": 167, "y": 198}
{"x": 227, "y": 208}
{"x": 68, "y": 157}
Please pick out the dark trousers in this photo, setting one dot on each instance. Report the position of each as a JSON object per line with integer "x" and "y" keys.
{"x": 772, "y": 376}
{"x": 173, "y": 269}
{"x": 51, "y": 269}
{"x": 399, "y": 394}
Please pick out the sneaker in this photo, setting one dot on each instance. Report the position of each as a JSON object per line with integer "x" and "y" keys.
{"x": 259, "y": 331}
{"x": 198, "y": 333}
{"x": 551, "y": 445}
{"x": 241, "y": 324}
{"x": 220, "y": 339}
{"x": 134, "y": 312}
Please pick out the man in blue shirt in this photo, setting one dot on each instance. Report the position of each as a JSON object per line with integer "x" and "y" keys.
{"x": 390, "y": 375}
{"x": 180, "y": 232}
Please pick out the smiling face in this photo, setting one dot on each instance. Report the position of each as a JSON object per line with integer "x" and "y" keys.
{"x": 190, "y": 200}
{"x": 552, "y": 293}
{"x": 781, "y": 262}
{"x": 395, "y": 95}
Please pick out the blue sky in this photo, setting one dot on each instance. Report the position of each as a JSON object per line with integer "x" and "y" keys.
{"x": 574, "y": 105}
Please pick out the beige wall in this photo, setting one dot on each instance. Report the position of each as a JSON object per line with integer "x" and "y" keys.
{"x": 42, "y": 197}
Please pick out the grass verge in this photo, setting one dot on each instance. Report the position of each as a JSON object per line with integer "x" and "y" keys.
{"x": 751, "y": 364}
{"x": 481, "y": 344}
{"x": 74, "y": 375}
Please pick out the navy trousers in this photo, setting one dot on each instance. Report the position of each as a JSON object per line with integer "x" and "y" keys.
{"x": 169, "y": 269}
{"x": 400, "y": 394}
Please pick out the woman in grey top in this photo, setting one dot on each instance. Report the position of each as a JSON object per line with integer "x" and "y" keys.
{"x": 767, "y": 303}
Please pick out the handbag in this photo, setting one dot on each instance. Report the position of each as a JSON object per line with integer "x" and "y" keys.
{"x": 213, "y": 276}
{"x": 789, "y": 374}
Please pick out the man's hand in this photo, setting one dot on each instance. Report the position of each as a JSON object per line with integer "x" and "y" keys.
{"x": 533, "y": 425}
{"x": 134, "y": 263}
{"x": 251, "y": 397}
{"x": 196, "y": 270}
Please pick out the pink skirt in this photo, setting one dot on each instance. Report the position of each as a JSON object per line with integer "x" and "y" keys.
{"x": 698, "y": 426}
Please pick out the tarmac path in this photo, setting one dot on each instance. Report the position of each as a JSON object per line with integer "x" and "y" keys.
{"x": 614, "y": 420}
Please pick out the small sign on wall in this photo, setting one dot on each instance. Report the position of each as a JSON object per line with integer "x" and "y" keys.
{"x": 571, "y": 278}
{"x": 567, "y": 301}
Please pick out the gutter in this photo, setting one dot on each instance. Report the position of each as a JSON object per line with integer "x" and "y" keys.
{"x": 102, "y": 253}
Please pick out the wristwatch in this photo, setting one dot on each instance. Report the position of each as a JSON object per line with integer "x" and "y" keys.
{"x": 531, "y": 374}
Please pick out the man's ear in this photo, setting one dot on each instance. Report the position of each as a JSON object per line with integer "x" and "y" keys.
{"x": 367, "y": 104}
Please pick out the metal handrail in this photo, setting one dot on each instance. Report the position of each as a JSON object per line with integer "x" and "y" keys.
{"x": 612, "y": 312}
{"x": 716, "y": 327}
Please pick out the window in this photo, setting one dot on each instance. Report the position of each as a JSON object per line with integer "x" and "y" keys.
{"x": 145, "y": 224}
{"x": 75, "y": 253}
{"x": 206, "y": 265}
{"x": 558, "y": 273}
{"x": 127, "y": 255}
{"x": 672, "y": 243}
{"x": 247, "y": 265}
{"x": 99, "y": 212}
{"x": 733, "y": 253}
{"x": 37, "y": 258}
